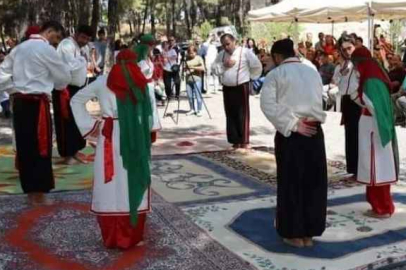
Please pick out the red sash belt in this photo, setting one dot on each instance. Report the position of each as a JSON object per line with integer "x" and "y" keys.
{"x": 107, "y": 132}
{"x": 313, "y": 123}
{"x": 64, "y": 99}
{"x": 44, "y": 124}
{"x": 366, "y": 112}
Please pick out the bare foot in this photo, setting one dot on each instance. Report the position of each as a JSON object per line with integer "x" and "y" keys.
{"x": 294, "y": 242}
{"x": 140, "y": 244}
{"x": 308, "y": 241}
{"x": 79, "y": 159}
{"x": 93, "y": 145}
{"x": 69, "y": 161}
{"x": 36, "y": 198}
{"x": 351, "y": 178}
{"x": 372, "y": 214}
{"x": 235, "y": 146}
{"x": 245, "y": 146}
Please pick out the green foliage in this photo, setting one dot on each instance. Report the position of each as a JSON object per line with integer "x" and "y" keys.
{"x": 395, "y": 30}
{"x": 224, "y": 21}
{"x": 267, "y": 31}
{"x": 204, "y": 29}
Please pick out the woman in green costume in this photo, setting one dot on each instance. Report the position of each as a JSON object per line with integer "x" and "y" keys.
{"x": 378, "y": 165}
{"x": 122, "y": 177}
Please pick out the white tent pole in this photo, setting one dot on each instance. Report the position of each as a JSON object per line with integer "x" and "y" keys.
{"x": 296, "y": 31}
{"x": 372, "y": 31}
{"x": 370, "y": 26}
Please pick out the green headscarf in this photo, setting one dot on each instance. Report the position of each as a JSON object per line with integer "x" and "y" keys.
{"x": 135, "y": 119}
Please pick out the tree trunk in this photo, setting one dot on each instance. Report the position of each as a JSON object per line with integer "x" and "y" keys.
{"x": 240, "y": 16}
{"x": 202, "y": 9}
{"x": 193, "y": 13}
{"x": 118, "y": 25}
{"x": 130, "y": 23}
{"x": 84, "y": 12}
{"x": 218, "y": 15}
{"x": 247, "y": 7}
{"x": 95, "y": 16}
{"x": 2, "y": 38}
{"x": 139, "y": 22}
{"x": 145, "y": 15}
{"x": 186, "y": 10}
{"x": 168, "y": 19}
{"x": 174, "y": 18}
{"x": 152, "y": 11}
{"x": 111, "y": 28}
{"x": 55, "y": 10}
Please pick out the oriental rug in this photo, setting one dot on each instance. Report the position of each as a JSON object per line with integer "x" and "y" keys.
{"x": 63, "y": 235}
{"x": 67, "y": 177}
{"x": 350, "y": 242}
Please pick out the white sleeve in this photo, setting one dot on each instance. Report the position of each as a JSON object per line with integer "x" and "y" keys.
{"x": 336, "y": 77}
{"x": 353, "y": 87}
{"x": 217, "y": 68}
{"x": 6, "y": 72}
{"x": 76, "y": 63}
{"x": 278, "y": 114}
{"x": 85, "y": 122}
{"x": 58, "y": 69}
{"x": 254, "y": 64}
{"x": 353, "y": 83}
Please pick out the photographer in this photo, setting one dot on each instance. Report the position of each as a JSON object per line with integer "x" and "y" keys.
{"x": 171, "y": 68}
{"x": 194, "y": 69}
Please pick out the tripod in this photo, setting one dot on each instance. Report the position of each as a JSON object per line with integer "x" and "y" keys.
{"x": 184, "y": 66}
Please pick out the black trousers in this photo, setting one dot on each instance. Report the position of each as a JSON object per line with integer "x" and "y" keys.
{"x": 351, "y": 114}
{"x": 237, "y": 109}
{"x": 5, "y": 105}
{"x": 35, "y": 171}
{"x": 302, "y": 185}
{"x": 68, "y": 137}
{"x": 168, "y": 77}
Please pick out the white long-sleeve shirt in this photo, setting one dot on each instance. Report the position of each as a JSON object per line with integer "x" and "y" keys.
{"x": 33, "y": 67}
{"x": 70, "y": 52}
{"x": 346, "y": 80}
{"x": 290, "y": 92}
{"x": 247, "y": 67}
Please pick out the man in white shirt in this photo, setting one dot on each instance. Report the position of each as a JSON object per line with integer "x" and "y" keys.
{"x": 68, "y": 137}
{"x": 291, "y": 99}
{"x": 236, "y": 66}
{"x": 30, "y": 73}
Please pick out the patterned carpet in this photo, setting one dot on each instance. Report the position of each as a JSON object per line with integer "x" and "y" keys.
{"x": 226, "y": 203}
{"x": 72, "y": 177}
{"x": 196, "y": 179}
{"x": 231, "y": 196}
{"x": 351, "y": 240}
{"x": 260, "y": 163}
{"x": 63, "y": 235}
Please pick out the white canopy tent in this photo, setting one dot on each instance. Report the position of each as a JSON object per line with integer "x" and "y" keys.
{"x": 321, "y": 11}
{"x": 292, "y": 10}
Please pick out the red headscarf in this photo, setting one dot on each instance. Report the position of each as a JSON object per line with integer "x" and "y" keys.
{"x": 32, "y": 30}
{"x": 117, "y": 81}
{"x": 368, "y": 68}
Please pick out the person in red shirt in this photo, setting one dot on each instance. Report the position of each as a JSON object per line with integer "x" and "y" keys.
{"x": 330, "y": 46}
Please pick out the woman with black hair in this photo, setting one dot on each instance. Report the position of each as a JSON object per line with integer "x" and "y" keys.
{"x": 252, "y": 46}
{"x": 351, "y": 112}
